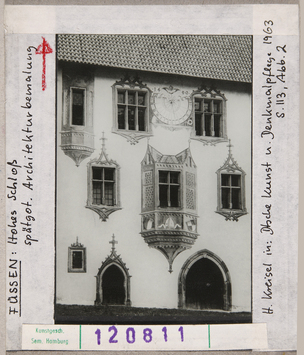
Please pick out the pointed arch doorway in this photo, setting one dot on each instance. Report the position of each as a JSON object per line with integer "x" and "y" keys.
{"x": 113, "y": 286}
{"x": 204, "y": 283}
{"x": 113, "y": 281}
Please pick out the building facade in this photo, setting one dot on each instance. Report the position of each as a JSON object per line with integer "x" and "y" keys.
{"x": 154, "y": 171}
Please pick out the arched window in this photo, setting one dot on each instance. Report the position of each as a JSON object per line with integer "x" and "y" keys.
{"x": 204, "y": 283}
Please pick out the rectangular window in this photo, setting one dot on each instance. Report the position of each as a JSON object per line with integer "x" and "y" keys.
{"x": 132, "y": 110}
{"x": 103, "y": 180}
{"x": 169, "y": 189}
{"x": 78, "y": 105}
{"x": 77, "y": 259}
{"x": 208, "y": 117}
{"x": 231, "y": 197}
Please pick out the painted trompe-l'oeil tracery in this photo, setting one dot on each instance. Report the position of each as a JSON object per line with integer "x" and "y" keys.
{"x": 169, "y": 213}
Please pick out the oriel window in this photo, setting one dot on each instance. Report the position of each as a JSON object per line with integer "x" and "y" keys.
{"x": 132, "y": 108}
{"x": 169, "y": 188}
{"x": 78, "y": 106}
{"x": 103, "y": 181}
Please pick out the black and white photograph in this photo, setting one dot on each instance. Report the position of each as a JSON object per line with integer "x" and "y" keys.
{"x": 151, "y": 174}
{"x": 153, "y": 185}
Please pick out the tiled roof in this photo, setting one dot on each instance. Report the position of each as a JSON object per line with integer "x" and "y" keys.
{"x": 214, "y": 57}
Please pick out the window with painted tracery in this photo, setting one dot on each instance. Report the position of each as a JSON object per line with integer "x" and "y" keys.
{"x": 209, "y": 115}
{"x": 77, "y": 257}
{"x": 231, "y": 202}
{"x": 131, "y": 100}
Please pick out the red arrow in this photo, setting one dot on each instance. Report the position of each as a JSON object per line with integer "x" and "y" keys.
{"x": 44, "y": 49}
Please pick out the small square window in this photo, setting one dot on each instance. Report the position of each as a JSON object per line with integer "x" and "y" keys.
{"x": 121, "y": 97}
{"x": 141, "y": 99}
{"x": 131, "y": 98}
{"x": 217, "y": 107}
{"x": 77, "y": 258}
{"x": 109, "y": 174}
{"x": 174, "y": 177}
{"x": 207, "y": 105}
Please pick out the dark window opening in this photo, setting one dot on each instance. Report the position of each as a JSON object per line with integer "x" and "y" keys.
{"x": 78, "y": 96}
{"x": 231, "y": 191}
{"x": 217, "y": 125}
{"x": 141, "y": 118}
{"x": 205, "y": 287}
{"x": 208, "y": 117}
{"x": 132, "y": 110}
{"x": 121, "y": 117}
{"x": 169, "y": 189}
{"x": 208, "y": 130}
{"x": 198, "y": 125}
{"x": 131, "y": 119}
{"x": 113, "y": 286}
{"x": 103, "y": 180}
{"x": 77, "y": 259}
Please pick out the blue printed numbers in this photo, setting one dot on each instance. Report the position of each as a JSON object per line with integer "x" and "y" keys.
{"x": 98, "y": 336}
{"x": 147, "y": 335}
{"x": 181, "y": 330}
{"x": 130, "y": 334}
{"x": 164, "y": 330}
{"x": 115, "y": 331}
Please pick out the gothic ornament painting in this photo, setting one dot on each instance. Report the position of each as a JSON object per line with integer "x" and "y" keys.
{"x": 150, "y": 184}
{"x": 161, "y": 191}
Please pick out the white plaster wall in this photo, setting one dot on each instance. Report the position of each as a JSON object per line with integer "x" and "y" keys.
{"x": 151, "y": 283}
